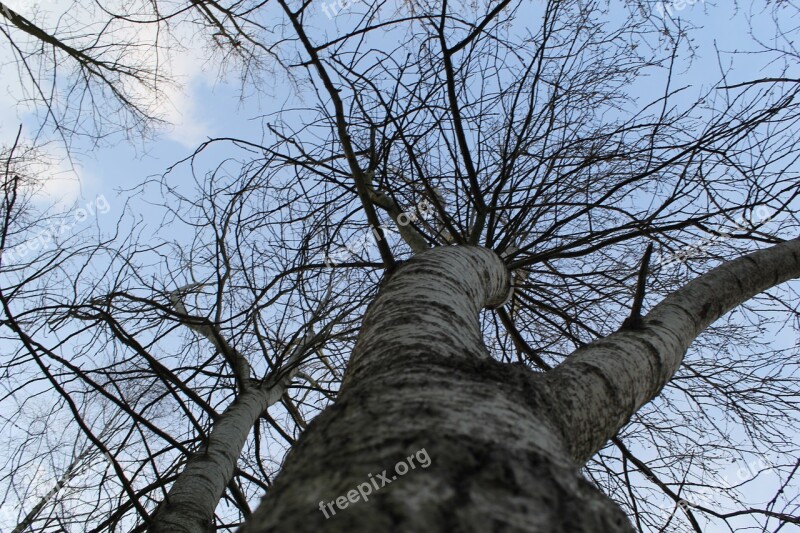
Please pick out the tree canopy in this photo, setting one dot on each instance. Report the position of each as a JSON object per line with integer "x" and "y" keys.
{"x": 566, "y": 136}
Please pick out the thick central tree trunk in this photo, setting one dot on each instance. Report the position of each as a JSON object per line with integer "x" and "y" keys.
{"x": 428, "y": 433}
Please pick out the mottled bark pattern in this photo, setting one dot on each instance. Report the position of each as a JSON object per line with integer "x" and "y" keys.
{"x": 190, "y": 504}
{"x": 505, "y": 445}
{"x": 603, "y": 384}
{"x": 419, "y": 378}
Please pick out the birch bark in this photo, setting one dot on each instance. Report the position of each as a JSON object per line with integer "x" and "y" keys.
{"x": 505, "y": 445}
{"x": 419, "y": 378}
{"x": 192, "y": 499}
{"x": 600, "y": 386}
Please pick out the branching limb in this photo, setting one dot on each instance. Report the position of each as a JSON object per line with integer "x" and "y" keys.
{"x": 634, "y": 321}
{"x": 238, "y": 362}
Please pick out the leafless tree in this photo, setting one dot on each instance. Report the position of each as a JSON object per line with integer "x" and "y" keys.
{"x": 455, "y": 151}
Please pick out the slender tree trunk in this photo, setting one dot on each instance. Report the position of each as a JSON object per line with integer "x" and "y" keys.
{"x": 73, "y": 468}
{"x": 600, "y": 386}
{"x": 504, "y": 445}
{"x": 190, "y": 503}
{"x": 192, "y": 499}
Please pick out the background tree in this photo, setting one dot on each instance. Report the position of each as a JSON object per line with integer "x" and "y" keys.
{"x": 434, "y": 125}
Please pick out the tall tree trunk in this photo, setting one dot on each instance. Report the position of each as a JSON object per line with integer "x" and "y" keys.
{"x": 191, "y": 501}
{"x": 428, "y": 434}
{"x": 72, "y": 469}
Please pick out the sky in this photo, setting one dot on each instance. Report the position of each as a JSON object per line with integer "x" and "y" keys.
{"x": 209, "y": 104}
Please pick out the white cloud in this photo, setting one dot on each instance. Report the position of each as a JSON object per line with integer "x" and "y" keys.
{"x": 54, "y": 180}
{"x": 177, "y": 102}
{"x": 188, "y": 126}
{"x": 59, "y": 180}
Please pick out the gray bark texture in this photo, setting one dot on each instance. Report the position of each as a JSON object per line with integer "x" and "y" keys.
{"x": 191, "y": 501}
{"x": 419, "y": 378}
{"x": 505, "y": 445}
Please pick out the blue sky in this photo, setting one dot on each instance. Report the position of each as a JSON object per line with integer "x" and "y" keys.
{"x": 210, "y": 105}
